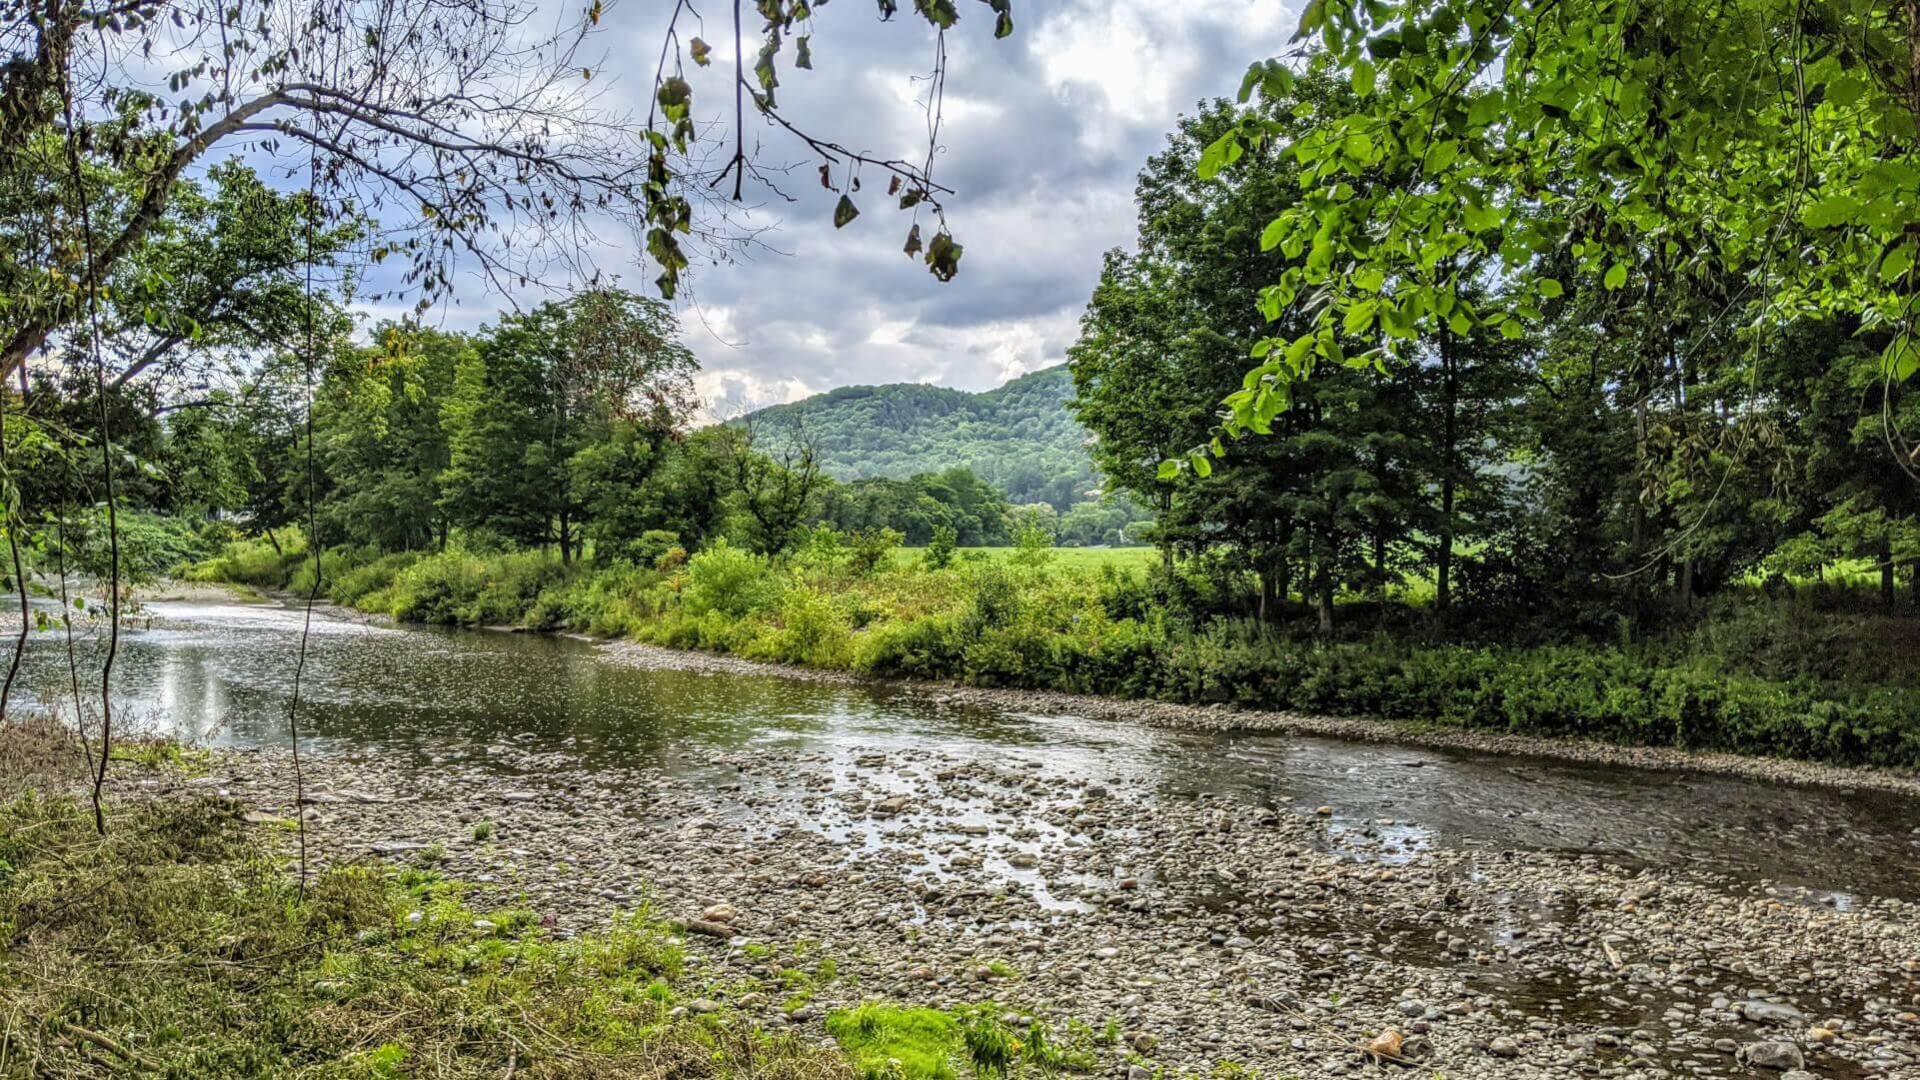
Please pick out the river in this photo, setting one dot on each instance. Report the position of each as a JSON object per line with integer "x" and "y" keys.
{"x": 221, "y": 673}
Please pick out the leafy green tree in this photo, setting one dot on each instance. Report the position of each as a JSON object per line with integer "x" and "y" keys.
{"x": 940, "y": 548}
{"x": 560, "y": 417}
{"x": 777, "y": 492}
{"x": 381, "y": 437}
{"x": 1543, "y": 140}
{"x": 1334, "y": 496}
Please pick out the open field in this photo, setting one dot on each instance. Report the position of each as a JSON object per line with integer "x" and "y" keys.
{"x": 1077, "y": 558}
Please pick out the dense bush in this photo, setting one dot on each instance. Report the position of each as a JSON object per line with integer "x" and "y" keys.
{"x": 254, "y": 563}
{"x": 150, "y": 545}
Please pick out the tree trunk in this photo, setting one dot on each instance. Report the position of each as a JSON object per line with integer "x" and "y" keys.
{"x": 1166, "y": 546}
{"x": 1914, "y": 569}
{"x": 275, "y": 541}
{"x": 1443, "y": 570}
{"x": 1886, "y": 572}
{"x": 1323, "y": 597}
{"x": 1686, "y": 582}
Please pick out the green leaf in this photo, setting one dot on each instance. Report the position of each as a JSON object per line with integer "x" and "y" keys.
{"x": 843, "y": 212}
{"x": 1167, "y": 470}
{"x": 1616, "y": 276}
{"x": 1832, "y": 210}
{"x": 1201, "y": 466}
{"x": 1550, "y": 288}
{"x": 1312, "y": 18}
{"x": 1897, "y": 263}
{"x": 1359, "y": 319}
{"x": 1901, "y": 358}
{"x": 1271, "y": 236}
{"x": 1219, "y": 154}
{"x": 1364, "y": 76}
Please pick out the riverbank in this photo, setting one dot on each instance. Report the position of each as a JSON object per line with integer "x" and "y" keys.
{"x": 187, "y": 940}
{"x": 1214, "y": 718}
{"x": 1225, "y": 719}
{"x": 1200, "y": 934}
{"x": 1754, "y": 676}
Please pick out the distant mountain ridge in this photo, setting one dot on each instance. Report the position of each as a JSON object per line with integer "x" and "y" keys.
{"x": 1020, "y": 437}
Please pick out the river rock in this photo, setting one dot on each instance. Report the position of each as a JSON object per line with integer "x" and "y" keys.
{"x": 1386, "y": 1045}
{"x": 1772, "y": 1054}
{"x": 1770, "y": 1012}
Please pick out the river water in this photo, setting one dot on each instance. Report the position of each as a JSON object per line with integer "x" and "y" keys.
{"x": 221, "y": 673}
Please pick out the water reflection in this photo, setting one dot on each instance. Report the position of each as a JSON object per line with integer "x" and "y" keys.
{"x": 222, "y": 673}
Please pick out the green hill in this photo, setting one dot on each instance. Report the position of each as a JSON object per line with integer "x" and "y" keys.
{"x": 1019, "y": 437}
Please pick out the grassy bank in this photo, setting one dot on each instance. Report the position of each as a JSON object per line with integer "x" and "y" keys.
{"x": 1749, "y": 674}
{"x": 181, "y": 944}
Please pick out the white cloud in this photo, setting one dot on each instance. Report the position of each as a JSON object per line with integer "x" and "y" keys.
{"x": 1043, "y": 135}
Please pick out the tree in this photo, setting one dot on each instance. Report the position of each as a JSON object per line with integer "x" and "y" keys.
{"x": 381, "y": 438}
{"x": 1334, "y": 495}
{"x": 562, "y": 413}
{"x": 1512, "y": 138}
{"x": 777, "y": 491}
{"x": 464, "y": 134}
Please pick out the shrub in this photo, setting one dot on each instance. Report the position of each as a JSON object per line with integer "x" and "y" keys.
{"x": 939, "y": 553}
{"x": 729, "y": 581}
{"x": 255, "y": 563}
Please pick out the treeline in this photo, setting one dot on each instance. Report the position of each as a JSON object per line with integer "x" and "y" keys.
{"x": 1616, "y": 461}
{"x": 567, "y": 429}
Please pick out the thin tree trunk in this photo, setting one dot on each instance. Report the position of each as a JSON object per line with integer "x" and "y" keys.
{"x": 275, "y": 541}
{"x": 1886, "y": 572}
{"x": 1443, "y": 571}
{"x": 1323, "y": 596}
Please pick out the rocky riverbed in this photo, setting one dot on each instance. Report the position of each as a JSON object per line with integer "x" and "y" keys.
{"x": 1204, "y": 933}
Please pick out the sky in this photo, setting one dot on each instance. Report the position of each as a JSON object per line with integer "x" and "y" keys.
{"x": 1043, "y": 135}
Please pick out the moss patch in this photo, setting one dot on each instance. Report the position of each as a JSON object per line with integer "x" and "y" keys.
{"x": 890, "y": 1042}
{"x": 893, "y": 1042}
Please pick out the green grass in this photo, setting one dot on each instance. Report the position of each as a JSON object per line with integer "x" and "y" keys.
{"x": 895, "y": 1042}
{"x": 892, "y": 1042}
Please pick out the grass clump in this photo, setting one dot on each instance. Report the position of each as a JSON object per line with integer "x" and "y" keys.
{"x": 894, "y": 1042}
{"x": 897, "y": 1042}
{"x": 180, "y": 945}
